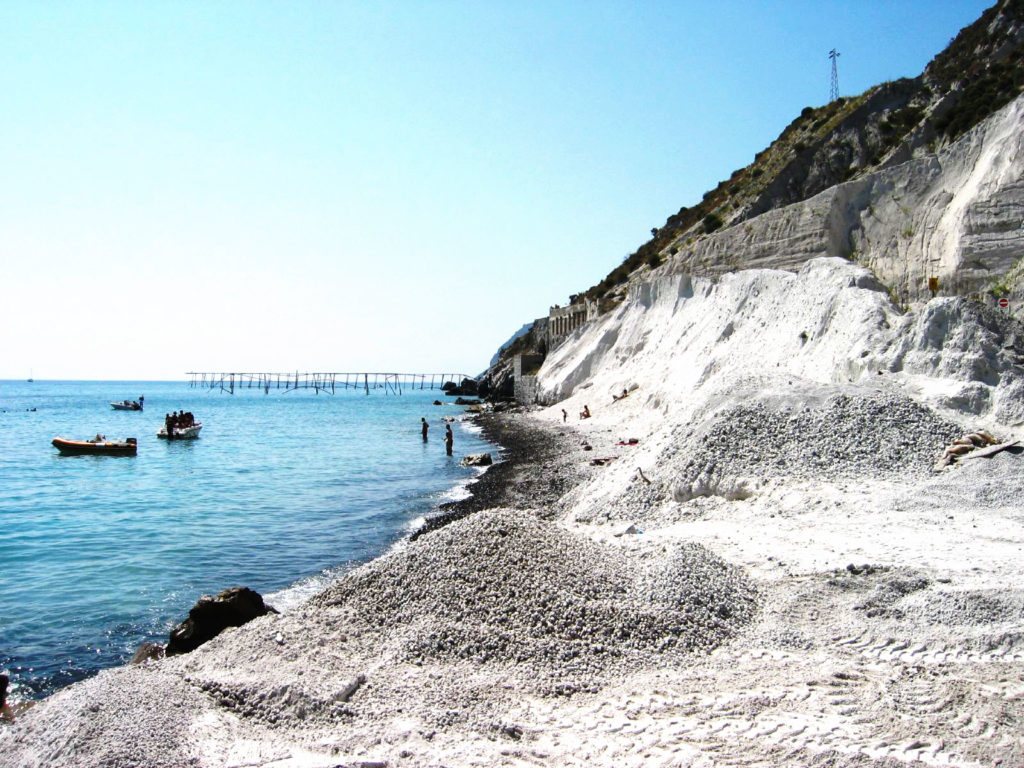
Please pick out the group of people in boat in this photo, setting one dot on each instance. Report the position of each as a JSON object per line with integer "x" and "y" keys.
{"x": 176, "y": 420}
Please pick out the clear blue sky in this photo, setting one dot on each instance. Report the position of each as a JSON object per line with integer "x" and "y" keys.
{"x": 376, "y": 186}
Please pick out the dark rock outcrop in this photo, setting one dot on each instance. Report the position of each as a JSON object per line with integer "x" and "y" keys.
{"x": 147, "y": 652}
{"x": 211, "y": 615}
{"x": 467, "y": 387}
{"x": 498, "y": 383}
{"x": 476, "y": 460}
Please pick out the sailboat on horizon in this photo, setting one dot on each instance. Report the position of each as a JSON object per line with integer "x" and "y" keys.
{"x": 31, "y": 378}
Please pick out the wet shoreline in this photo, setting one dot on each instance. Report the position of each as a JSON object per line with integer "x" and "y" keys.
{"x": 529, "y": 471}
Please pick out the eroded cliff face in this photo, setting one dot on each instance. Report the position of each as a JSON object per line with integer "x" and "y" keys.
{"x": 683, "y": 343}
{"x": 957, "y": 216}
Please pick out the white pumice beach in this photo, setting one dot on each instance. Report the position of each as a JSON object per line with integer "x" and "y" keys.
{"x": 773, "y": 573}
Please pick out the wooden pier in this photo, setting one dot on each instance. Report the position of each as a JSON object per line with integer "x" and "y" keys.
{"x": 390, "y": 383}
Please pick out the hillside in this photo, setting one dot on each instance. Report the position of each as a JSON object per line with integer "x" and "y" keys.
{"x": 858, "y": 140}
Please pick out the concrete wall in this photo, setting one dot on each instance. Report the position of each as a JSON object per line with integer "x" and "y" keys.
{"x": 524, "y": 382}
{"x": 525, "y": 388}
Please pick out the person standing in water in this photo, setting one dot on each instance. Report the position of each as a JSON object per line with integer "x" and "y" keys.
{"x": 448, "y": 438}
{"x": 423, "y": 428}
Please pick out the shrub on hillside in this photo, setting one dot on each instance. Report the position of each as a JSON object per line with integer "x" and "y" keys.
{"x": 712, "y": 222}
{"x": 1000, "y": 85}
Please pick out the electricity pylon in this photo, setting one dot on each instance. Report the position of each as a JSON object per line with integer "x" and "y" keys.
{"x": 833, "y": 93}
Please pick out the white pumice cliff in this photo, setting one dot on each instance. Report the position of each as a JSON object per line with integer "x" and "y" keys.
{"x": 957, "y": 215}
{"x": 830, "y": 323}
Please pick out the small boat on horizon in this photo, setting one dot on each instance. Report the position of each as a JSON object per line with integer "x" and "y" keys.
{"x": 128, "y": 405}
{"x": 98, "y": 446}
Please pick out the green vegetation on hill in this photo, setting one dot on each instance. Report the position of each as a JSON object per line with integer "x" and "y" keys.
{"x": 985, "y": 63}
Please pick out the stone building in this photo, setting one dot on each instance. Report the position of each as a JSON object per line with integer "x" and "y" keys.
{"x": 562, "y": 321}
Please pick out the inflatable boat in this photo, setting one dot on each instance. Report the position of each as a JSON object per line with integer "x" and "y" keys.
{"x": 97, "y": 446}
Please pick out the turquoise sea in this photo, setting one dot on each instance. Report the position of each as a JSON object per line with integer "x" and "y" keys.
{"x": 281, "y": 493}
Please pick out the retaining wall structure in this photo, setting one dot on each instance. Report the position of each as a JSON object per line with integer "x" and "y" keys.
{"x": 562, "y": 321}
{"x": 524, "y": 379}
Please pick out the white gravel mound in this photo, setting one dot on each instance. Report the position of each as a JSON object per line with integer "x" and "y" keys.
{"x": 134, "y": 716}
{"x": 506, "y": 587}
{"x": 867, "y": 434}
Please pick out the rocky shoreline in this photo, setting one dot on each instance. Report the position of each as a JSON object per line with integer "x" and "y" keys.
{"x": 530, "y": 470}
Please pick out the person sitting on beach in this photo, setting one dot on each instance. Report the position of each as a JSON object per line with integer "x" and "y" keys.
{"x": 625, "y": 393}
{"x": 585, "y": 413}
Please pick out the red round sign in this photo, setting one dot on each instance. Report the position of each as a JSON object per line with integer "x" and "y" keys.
{"x": 1004, "y": 302}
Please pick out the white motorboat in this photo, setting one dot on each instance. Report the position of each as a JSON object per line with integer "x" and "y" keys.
{"x": 190, "y": 432}
{"x": 127, "y": 405}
